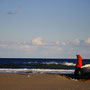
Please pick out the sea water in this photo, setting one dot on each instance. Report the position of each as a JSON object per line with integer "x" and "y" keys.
{"x": 39, "y": 65}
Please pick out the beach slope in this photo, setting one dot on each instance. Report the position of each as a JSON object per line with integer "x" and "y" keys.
{"x": 13, "y": 81}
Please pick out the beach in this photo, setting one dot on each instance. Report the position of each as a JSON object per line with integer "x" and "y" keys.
{"x": 12, "y": 81}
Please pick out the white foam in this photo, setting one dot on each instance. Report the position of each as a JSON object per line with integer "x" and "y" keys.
{"x": 63, "y": 63}
{"x": 50, "y": 63}
{"x": 69, "y": 64}
{"x": 87, "y": 65}
{"x": 56, "y": 71}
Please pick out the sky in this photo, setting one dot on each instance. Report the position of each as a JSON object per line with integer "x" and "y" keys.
{"x": 44, "y": 28}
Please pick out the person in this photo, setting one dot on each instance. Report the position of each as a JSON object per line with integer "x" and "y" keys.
{"x": 77, "y": 72}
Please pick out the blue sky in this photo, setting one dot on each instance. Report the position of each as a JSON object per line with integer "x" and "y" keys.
{"x": 45, "y": 28}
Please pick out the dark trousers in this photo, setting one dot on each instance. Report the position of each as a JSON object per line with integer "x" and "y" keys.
{"x": 77, "y": 73}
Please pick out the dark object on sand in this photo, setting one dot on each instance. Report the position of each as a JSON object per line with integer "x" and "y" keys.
{"x": 85, "y": 72}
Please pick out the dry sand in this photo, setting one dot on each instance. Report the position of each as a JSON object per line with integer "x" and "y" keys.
{"x": 40, "y": 82}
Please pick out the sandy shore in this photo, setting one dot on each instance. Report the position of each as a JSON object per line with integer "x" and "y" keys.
{"x": 40, "y": 82}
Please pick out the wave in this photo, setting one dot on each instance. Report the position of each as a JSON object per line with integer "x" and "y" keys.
{"x": 54, "y": 71}
{"x": 68, "y": 64}
{"x": 43, "y": 65}
{"x": 87, "y": 65}
{"x": 63, "y": 63}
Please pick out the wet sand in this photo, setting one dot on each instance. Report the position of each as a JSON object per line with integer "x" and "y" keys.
{"x": 10, "y": 81}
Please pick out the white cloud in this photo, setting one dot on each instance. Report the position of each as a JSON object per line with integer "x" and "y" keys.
{"x": 38, "y": 41}
{"x": 53, "y": 48}
{"x": 76, "y": 41}
{"x": 3, "y": 46}
{"x": 88, "y": 41}
{"x": 15, "y": 45}
{"x": 39, "y": 47}
{"x": 63, "y": 43}
{"x": 60, "y": 43}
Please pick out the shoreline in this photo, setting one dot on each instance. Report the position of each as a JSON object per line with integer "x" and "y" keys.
{"x": 26, "y": 81}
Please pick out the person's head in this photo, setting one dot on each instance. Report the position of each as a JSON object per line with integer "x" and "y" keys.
{"x": 78, "y": 56}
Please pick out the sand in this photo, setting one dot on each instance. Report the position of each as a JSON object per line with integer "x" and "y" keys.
{"x": 10, "y": 81}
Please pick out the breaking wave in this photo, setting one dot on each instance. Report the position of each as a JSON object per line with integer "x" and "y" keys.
{"x": 87, "y": 65}
{"x": 36, "y": 65}
{"x": 63, "y": 63}
{"x": 54, "y": 71}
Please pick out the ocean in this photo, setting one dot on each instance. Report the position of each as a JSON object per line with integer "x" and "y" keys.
{"x": 39, "y": 65}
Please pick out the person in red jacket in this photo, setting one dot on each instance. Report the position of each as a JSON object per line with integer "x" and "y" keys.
{"x": 77, "y": 72}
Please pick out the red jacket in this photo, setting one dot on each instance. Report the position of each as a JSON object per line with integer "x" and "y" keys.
{"x": 79, "y": 61}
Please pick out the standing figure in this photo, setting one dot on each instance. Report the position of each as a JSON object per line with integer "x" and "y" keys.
{"x": 77, "y": 72}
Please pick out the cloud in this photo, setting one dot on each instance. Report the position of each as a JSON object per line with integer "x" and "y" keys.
{"x": 13, "y": 45}
{"x": 38, "y": 41}
{"x": 36, "y": 45}
{"x": 63, "y": 43}
{"x": 88, "y": 41}
{"x": 12, "y": 12}
{"x": 40, "y": 47}
{"x": 80, "y": 43}
{"x": 25, "y": 43}
{"x": 75, "y": 42}
{"x": 54, "y": 48}
{"x": 60, "y": 43}
{"x": 3, "y": 46}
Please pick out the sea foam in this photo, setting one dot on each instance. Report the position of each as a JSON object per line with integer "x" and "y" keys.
{"x": 56, "y": 71}
{"x": 63, "y": 63}
{"x": 87, "y": 65}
